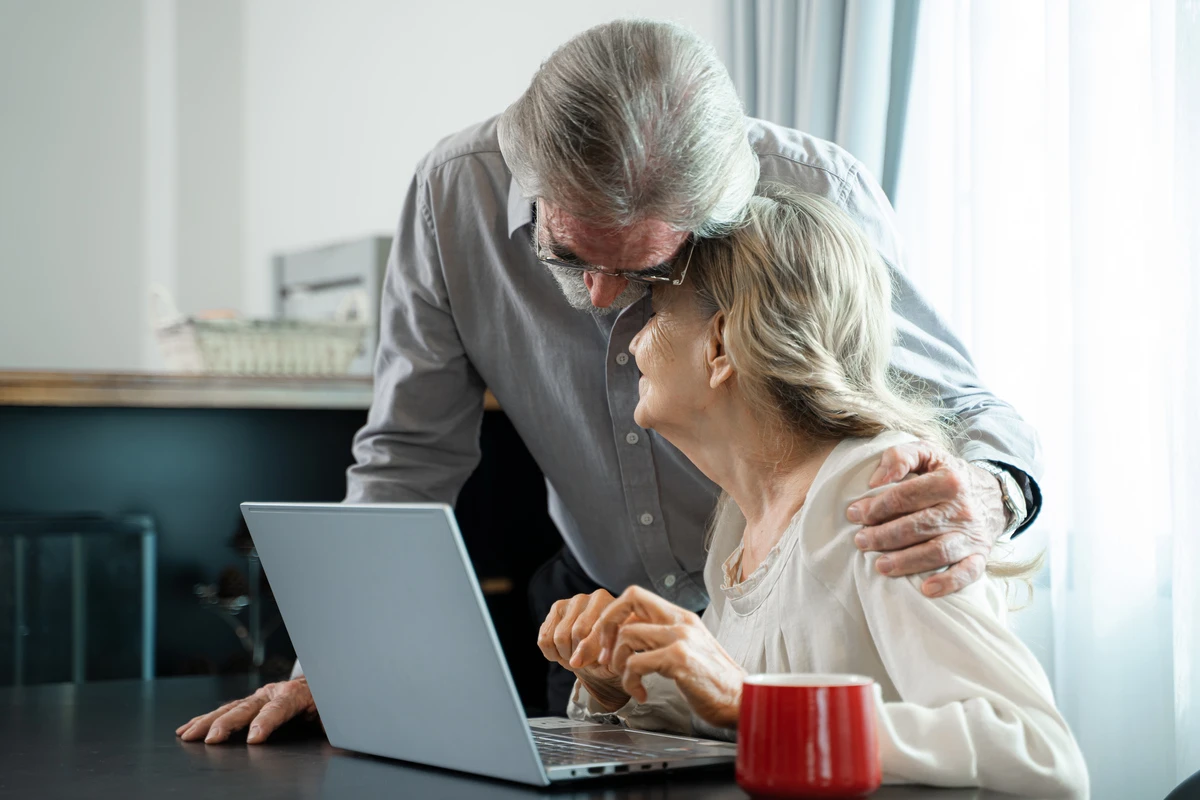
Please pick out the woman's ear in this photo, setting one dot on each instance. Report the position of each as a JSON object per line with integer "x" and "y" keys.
{"x": 720, "y": 368}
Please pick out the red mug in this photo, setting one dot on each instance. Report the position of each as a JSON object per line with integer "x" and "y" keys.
{"x": 807, "y": 735}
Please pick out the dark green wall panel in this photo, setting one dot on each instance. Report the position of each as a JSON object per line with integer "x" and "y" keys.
{"x": 189, "y": 469}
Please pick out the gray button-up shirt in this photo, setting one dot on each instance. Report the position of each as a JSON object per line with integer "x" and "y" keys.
{"x": 466, "y": 305}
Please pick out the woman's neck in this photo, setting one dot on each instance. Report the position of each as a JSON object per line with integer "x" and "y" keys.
{"x": 768, "y": 474}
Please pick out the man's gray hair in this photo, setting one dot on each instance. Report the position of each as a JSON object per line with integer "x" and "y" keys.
{"x": 634, "y": 120}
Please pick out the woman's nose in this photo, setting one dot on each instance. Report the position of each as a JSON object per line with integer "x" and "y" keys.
{"x": 635, "y": 342}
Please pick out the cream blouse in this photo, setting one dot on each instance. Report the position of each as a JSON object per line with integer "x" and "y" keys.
{"x": 965, "y": 703}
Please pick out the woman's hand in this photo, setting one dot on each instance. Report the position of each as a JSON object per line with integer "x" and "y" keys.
{"x": 640, "y": 633}
{"x": 568, "y": 623}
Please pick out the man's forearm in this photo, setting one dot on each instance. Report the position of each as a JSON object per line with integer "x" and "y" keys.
{"x": 421, "y": 440}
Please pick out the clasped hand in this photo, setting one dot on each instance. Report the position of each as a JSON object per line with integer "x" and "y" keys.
{"x": 612, "y": 643}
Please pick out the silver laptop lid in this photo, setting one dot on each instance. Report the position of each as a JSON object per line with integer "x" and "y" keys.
{"x": 388, "y": 621}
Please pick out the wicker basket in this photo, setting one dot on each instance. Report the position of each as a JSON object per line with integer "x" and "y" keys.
{"x": 259, "y": 347}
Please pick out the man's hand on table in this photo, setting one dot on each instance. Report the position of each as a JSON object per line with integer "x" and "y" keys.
{"x": 949, "y": 515}
{"x": 264, "y": 711}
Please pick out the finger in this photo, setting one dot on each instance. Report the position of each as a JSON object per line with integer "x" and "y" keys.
{"x": 206, "y": 719}
{"x": 276, "y": 712}
{"x": 562, "y": 632}
{"x": 588, "y": 615}
{"x": 197, "y": 727}
{"x": 636, "y": 602}
{"x": 909, "y": 530}
{"x": 895, "y": 461}
{"x": 604, "y": 651}
{"x": 551, "y": 617}
{"x": 549, "y": 651}
{"x": 592, "y": 649}
{"x": 662, "y": 662}
{"x": 588, "y": 651}
{"x": 186, "y": 725}
{"x": 587, "y": 645}
{"x": 906, "y": 497}
{"x": 914, "y": 457}
{"x": 934, "y": 554}
{"x": 958, "y": 577}
{"x": 546, "y": 632}
{"x": 642, "y": 636}
{"x": 234, "y": 719}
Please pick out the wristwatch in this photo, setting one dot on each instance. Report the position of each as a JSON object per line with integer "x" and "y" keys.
{"x": 1010, "y": 493}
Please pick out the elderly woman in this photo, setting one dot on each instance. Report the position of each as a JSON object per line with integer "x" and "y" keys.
{"x": 768, "y": 368}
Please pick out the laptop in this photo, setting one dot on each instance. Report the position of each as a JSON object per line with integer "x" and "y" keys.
{"x": 387, "y": 618}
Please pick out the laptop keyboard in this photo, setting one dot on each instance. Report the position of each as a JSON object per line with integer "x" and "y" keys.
{"x": 557, "y": 751}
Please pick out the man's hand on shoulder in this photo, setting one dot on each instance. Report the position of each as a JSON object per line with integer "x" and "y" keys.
{"x": 949, "y": 514}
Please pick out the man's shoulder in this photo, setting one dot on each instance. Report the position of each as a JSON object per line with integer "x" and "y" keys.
{"x": 814, "y": 166}
{"x": 792, "y": 156}
{"x": 475, "y": 141}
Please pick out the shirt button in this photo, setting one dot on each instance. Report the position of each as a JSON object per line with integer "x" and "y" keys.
{"x": 669, "y": 581}
{"x": 647, "y": 519}
{"x": 622, "y": 358}
{"x": 631, "y": 437}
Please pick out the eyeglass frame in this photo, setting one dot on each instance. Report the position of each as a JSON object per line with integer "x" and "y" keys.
{"x": 633, "y": 276}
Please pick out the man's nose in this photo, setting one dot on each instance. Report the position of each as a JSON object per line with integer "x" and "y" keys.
{"x": 603, "y": 288}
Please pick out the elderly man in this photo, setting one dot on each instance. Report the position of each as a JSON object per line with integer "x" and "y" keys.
{"x": 629, "y": 142}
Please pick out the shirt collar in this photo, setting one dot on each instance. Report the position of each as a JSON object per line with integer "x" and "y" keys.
{"x": 520, "y": 208}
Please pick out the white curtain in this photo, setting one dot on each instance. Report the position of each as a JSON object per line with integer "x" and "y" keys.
{"x": 1049, "y": 199}
{"x": 837, "y": 69}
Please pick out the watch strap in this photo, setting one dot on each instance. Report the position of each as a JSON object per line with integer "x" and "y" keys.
{"x": 1010, "y": 494}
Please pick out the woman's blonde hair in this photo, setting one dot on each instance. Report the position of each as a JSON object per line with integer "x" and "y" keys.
{"x": 807, "y": 302}
{"x": 808, "y": 320}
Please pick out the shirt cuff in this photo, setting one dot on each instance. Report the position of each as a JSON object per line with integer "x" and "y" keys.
{"x": 977, "y": 451}
{"x": 1029, "y": 488}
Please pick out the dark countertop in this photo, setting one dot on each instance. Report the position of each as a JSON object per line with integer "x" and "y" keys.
{"x": 179, "y": 390}
{"x": 117, "y": 740}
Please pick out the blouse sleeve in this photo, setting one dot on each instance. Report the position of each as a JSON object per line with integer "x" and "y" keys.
{"x": 664, "y": 709}
{"x": 976, "y": 708}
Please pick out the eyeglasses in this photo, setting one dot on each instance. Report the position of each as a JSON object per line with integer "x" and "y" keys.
{"x": 666, "y": 272}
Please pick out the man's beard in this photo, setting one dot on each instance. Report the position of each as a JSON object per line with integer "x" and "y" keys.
{"x": 577, "y": 294}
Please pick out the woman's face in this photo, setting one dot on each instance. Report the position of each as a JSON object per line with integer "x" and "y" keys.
{"x": 670, "y": 352}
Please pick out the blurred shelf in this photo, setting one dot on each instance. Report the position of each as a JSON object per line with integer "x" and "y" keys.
{"x": 495, "y": 586}
{"x": 165, "y": 390}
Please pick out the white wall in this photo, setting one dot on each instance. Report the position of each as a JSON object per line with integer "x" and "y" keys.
{"x": 121, "y": 145}
{"x": 211, "y": 156}
{"x": 194, "y": 134}
{"x": 184, "y": 142}
{"x": 70, "y": 183}
{"x": 344, "y": 98}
